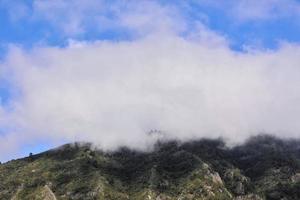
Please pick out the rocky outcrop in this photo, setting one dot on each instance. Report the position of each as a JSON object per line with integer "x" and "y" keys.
{"x": 236, "y": 181}
{"x": 47, "y": 194}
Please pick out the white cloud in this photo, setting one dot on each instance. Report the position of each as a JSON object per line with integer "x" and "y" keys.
{"x": 77, "y": 17}
{"x": 9, "y": 146}
{"x": 114, "y": 93}
{"x": 266, "y": 9}
{"x": 68, "y": 16}
{"x": 16, "y": 10}
{"x": 245, "y": 10}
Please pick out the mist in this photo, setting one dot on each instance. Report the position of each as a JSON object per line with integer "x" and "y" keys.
{"x": 114, "y": 93}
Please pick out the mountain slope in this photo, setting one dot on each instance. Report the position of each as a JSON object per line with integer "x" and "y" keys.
{"x": 263, "y": 168}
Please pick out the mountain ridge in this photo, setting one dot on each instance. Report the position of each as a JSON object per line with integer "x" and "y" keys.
{"x": 264, "y": 167}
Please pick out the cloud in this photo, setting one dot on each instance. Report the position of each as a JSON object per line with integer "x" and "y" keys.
{"x": 77, "y": 17}
{"x": 9, "y": 146}
{"x": 16, "y": 10}
{"x": 131, "y": 19}
{"x": 74, "y": 18}
{"x": 114, "y": 93}
{"x": 245, "y": 11}
{"x": 266, "y": 9}
{"x": 70, "y": 16}
{"x": 178, "y": 77}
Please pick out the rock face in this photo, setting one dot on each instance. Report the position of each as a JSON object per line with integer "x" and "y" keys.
{"x": 262, "y": 168}
{"x": 46, "y": 194}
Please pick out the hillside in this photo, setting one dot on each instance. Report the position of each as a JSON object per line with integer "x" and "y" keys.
{"x": 262, "y": 168}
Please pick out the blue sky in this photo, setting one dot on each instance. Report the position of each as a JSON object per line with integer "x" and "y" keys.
{"x": 263, "y": 25}
{"x": 29, "y": 28}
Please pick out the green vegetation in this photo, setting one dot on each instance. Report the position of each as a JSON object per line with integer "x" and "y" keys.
{"x": 263, "y": 168}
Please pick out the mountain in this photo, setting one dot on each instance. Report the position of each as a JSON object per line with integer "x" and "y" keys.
{"x": 264, "y": 167}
